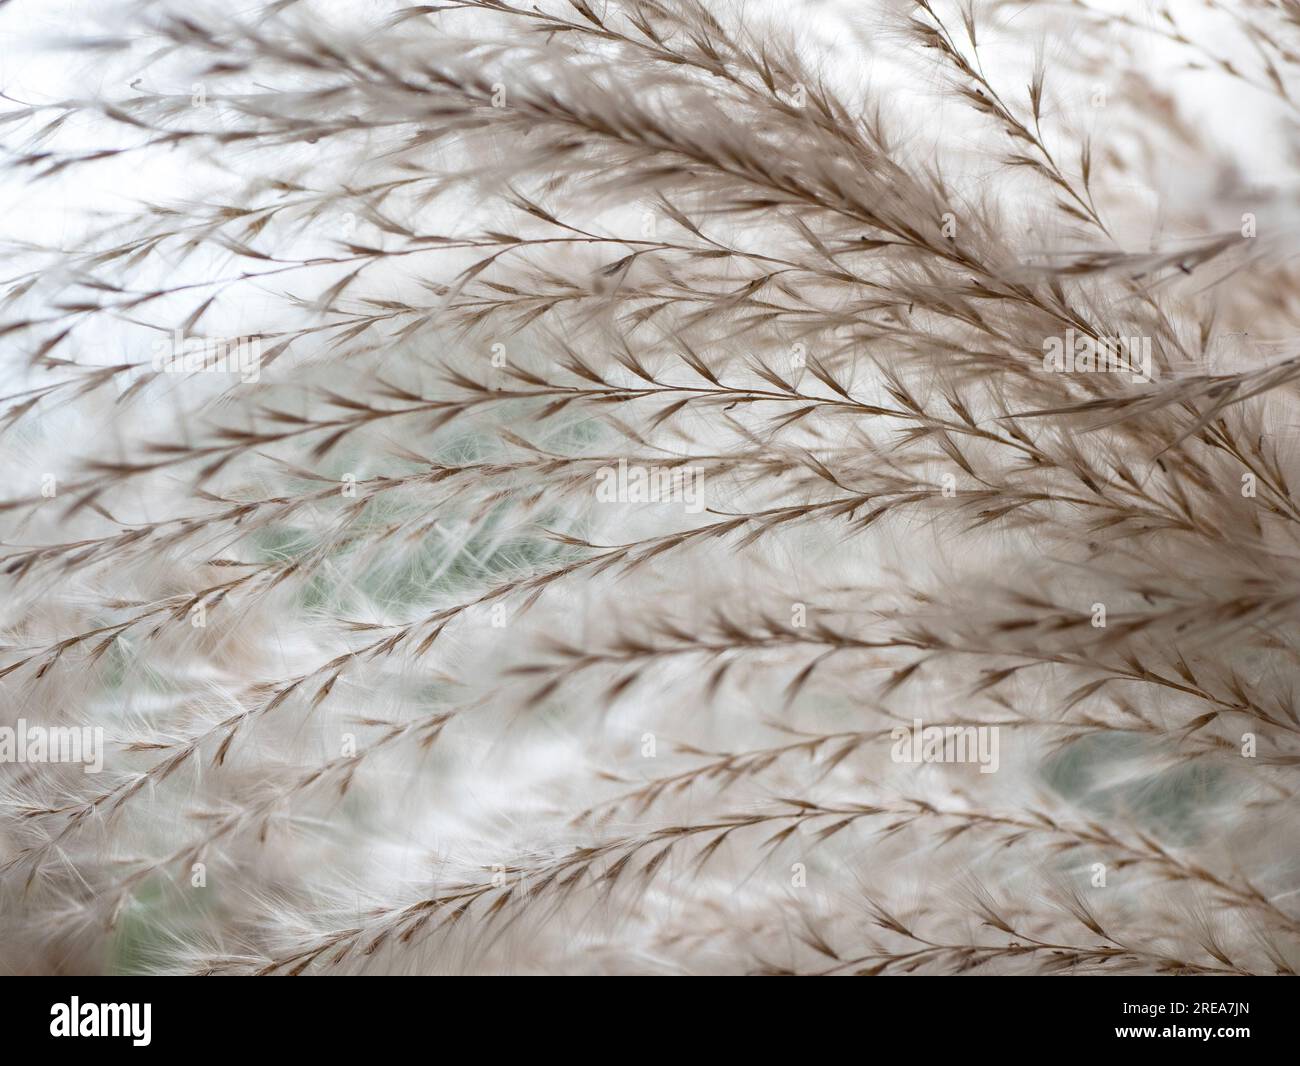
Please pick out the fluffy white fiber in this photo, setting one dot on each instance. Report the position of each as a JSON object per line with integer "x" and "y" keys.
{"x": 511, "y": 488}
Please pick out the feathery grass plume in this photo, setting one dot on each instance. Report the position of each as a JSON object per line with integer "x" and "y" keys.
{"x": 628, "y": 487}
